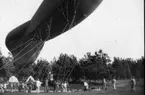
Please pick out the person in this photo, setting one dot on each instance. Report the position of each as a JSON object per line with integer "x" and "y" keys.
{"x": 46, "y": 85}
{"x": 104, "y": 84}
{"x": 30, "y": 85}
{"x": 1, "y": 88}
{"x": 114, "y": 83}
{"x": 20, "y": 86}
{"x": 133, "y": 83}
{"x": 24, "y": 86}
{"x": 51, "y": 77}
{"x": 62, "y": 86}
{"x": 86, "y": 86}
{"x": 57, "y": 86}
{"x": 38, "y": 84}
{"x": 12, "y": 87}
{"x": 65, "y": 86}
{"x": 5, "y": 86}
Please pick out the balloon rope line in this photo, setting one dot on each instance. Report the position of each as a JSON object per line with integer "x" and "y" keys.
{"x": 45, "y": 40}
{"x": 14, "y": 57}
{"x": 75, "y": 11}
{"x": 65, "y": 15}
{"x": 45, "y": 70}
{"x": 18, "y": 57}
{"x": 64, "y": 72}
{"x": 27, "y": 51}
{"x": 65, "y": 67}
{"x": 67, "y": 72}
{"x": 71, "y": 68}
{"x": 41, "y": 63}
{"x": 71, "y": 71}
{"x": 21, "y": 44}
{"x": 41, "y": 69}
{"x": 58, "y": 72}
{"x": 38, "y": 69}
{"x": 29, "y": 59}
{"x": 22, "y": 49}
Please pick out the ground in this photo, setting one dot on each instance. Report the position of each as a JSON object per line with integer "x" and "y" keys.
{"x": 123, "y": 88}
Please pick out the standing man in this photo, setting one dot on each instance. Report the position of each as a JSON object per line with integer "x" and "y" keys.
{"x": 51, "y": 77}
{"x": 29, "y": 85}
{"x": 1, "y": 88}
{"x": 57, "y": 86}
{"x": 38, "y": 84}
{"x": 104, "y": 84}
{"x": 65, "y": 86}
{"x": 114, "y": 83}
{"x": 133, "y": 84}
{"x": 46, "y": 85}
{"x": 86, "y": 86}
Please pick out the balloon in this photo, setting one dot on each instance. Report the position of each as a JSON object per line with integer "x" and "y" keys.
{"x": 52, "y": 18}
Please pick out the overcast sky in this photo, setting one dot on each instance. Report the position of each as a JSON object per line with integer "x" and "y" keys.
{"x": 116, "y": 27}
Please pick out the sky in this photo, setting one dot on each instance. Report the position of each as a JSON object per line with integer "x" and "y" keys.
{"x": 116, "y": 27}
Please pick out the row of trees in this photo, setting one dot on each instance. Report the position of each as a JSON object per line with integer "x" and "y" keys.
{"x": 91, "y": 66}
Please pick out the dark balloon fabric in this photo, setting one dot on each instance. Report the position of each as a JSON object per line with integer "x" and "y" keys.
{"x": 52, "y": 18}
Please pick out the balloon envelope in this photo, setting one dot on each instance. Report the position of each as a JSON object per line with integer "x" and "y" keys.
{"x": 52, "y": 18}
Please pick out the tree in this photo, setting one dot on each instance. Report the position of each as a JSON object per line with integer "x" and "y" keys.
{"x": 64, "y": 66}
{"x": 6, "y": 66}
{"x": 41, "y": 69}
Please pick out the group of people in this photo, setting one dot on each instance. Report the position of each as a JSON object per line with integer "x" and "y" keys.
{"x": 25, "y": 86}
{"x": 132, "y": 83}
{"x": 113, "y": 81}
{"x": 32, "y": 84}
{"x": 58, "y": 86}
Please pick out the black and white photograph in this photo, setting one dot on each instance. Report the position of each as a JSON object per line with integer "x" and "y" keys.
{"x": 72, "y": 47}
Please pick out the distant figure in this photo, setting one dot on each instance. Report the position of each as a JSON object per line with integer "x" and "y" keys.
{"x": 65, "y": 86}
{"x": 104, "y": 84}
{"x": 51, "y": 77}
{"x": 57, "y": 86}
{"x": 5, "y": 86}
{"x": 114, "y": 83}
{"x": 12, "y": 86}
{"x": 30, "y": 85}
{"x": 1, "y": 88}
{"x": 133, "y": 84}
{"x": 20, "y": 86}
{"x": 46, "y": 85}
{"x": 86, "y": 86}
{"x": 24, "y": 86}
{"x": 38, "y": 84}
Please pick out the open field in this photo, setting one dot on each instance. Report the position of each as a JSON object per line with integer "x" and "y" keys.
{"x": 123, "y": 88}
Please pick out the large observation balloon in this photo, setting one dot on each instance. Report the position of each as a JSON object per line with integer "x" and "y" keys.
{"x": 52, "y": 18}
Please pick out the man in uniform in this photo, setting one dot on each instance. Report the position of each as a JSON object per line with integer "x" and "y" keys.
{"x": 86, "y": 86}
{"x": 114, "y": 83}
{"x": 104, "y": 84}
{"x": 133, "y": 83}
{"x": 46, "y": 85}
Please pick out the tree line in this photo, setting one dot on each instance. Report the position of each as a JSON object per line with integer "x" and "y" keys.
{"x": 68, "y": 67}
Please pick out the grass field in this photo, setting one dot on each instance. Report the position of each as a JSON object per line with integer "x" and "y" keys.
{"x": 123, "y": 88}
